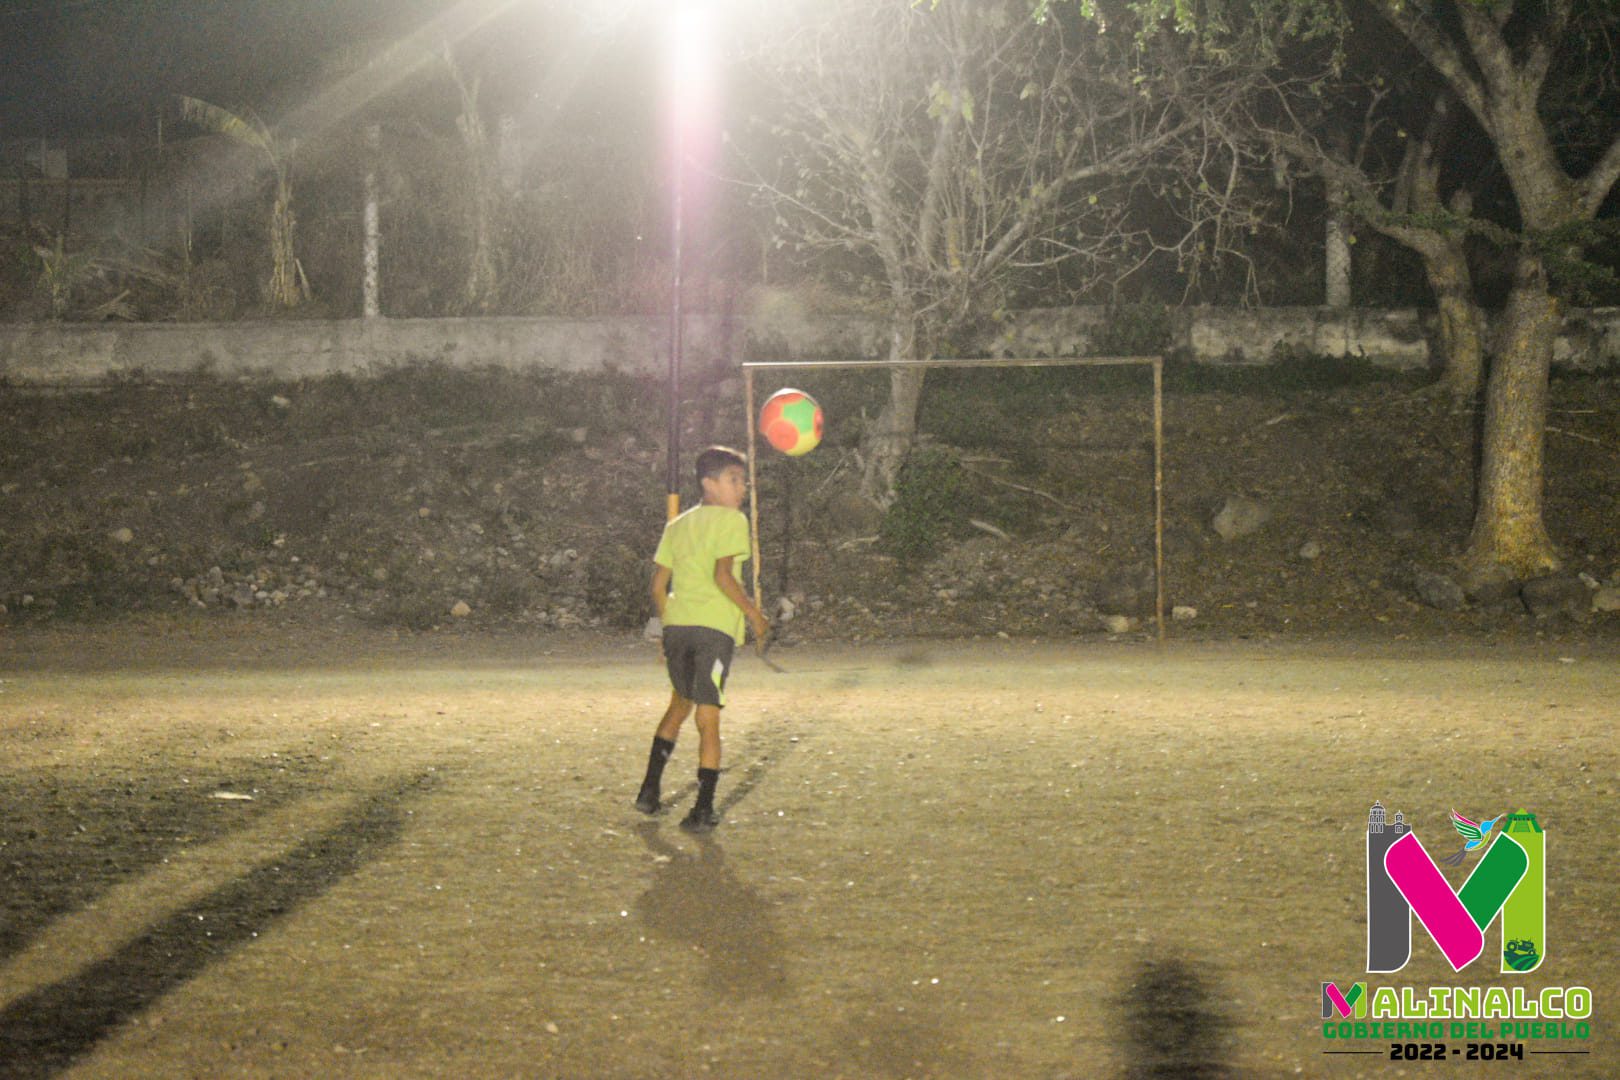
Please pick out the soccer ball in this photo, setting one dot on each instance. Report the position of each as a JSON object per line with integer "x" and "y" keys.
{"x": 791, "y": 422}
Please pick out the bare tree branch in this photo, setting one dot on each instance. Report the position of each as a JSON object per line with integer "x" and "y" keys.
{"x": 1544, "y": 46}
{"x": 1429, "y": 40}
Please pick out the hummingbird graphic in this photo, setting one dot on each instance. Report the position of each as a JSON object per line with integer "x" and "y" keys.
{"x": 1475, "y": 834}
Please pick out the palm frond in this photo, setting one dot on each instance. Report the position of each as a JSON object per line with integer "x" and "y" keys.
{"x": 244, "y": 129}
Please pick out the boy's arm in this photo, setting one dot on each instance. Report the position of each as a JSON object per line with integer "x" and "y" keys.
{"x": 660, "y": 589}
{"x": 728, "y": 584}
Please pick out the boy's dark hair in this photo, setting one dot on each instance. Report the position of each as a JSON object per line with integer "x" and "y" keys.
{"x": 717, "y": 459}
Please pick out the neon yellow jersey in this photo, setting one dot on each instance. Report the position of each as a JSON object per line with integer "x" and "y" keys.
{"x": 690, "y": 547}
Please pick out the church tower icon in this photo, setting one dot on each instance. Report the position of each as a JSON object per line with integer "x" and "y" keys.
{"x": 1389, "y": 917}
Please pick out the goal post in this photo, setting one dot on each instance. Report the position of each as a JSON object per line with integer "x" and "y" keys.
{"x": 1156, "y": 363}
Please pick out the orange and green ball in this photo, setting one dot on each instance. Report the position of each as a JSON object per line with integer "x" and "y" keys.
{"x": 791, "y": 422}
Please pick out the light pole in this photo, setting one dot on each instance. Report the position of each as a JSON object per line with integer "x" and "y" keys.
{"x": 690, "y": 71}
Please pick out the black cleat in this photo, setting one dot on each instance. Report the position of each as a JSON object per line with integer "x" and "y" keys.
{"x": 700, "y": 820}
{"x": 647, "y": 800}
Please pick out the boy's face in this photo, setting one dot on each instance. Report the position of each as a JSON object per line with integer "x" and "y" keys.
{"x": 726, "y": 488}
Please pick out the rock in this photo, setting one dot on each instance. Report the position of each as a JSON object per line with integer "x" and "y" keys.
{"x": 1437, "y": 590}
{"x": 1606, "y": 599}
{"x": 1183, "y": 613}
{"x": 785, "y": 609}
{"x": 460, "y": 610}
{"x": 1240, "y": 516}
{"x": 280, "y": 402}
{"x": 1128, "y": 590}
{"x": 577, "y": 436}
{"x": 1504, "y": 610}
{"x": 1491, "y": 586}
{"x": 1399, "y": 521}
{"x": 1118, "y": 624}
{"x": 1557, "y": 594}
{"x": 122, "y": 536}
{"x": 242, "y": 597}
{"x": 1310, "y": 551}
{"x": 848, "y": 513}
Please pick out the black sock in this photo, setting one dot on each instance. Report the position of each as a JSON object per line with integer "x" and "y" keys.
{"x": 707, "y": 778}
{"x": 661, "y": 749}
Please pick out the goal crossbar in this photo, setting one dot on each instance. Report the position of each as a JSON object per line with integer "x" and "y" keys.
{"x": 1155, "y": 362}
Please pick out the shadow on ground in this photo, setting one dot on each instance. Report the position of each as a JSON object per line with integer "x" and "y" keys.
{"x": 697, "y": 898}
{"x": 1173, "y": 1030}
{"x": 47, "y": 1031}
{"x": 66, "y": 842}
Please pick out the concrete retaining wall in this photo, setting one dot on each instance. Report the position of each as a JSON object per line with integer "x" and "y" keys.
{"x": 66, "y": 353}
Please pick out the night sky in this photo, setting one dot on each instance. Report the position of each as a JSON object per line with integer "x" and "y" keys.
{"x": 70, "y": 67}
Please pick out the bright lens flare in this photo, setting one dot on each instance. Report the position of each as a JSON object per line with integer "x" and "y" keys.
{"x": 692, "y": 66}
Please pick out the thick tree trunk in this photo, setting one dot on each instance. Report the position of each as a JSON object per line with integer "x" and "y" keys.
{"x": 482, "y": 278}
{"x": 888, "y": 441}
{"x": 1337, "y": 249}
{"x": 1462, "y": 323}
{"x": 1509, "y": 536}
{"x": 1461, "y": 320}
{"x": 370, "y": 304}
{"x": 284, "y": 287}
{"x": 482, "y": 200}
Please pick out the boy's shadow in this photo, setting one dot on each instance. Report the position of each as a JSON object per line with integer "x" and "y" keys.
{"x": 697, "y": 899}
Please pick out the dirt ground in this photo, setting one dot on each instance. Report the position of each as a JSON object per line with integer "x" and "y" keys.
{"x": 999, "y": 859}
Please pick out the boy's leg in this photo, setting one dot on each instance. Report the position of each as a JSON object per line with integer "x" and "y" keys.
{"x": 704, "y": 661}
{"x": 663, "y": 744}
{"x": 703, "y": 816}
{"x": 679, "y": 709}
{"x": 708, "y": 725}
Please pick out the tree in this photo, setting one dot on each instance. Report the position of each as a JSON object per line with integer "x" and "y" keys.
{"x": 288, "y": 288}
{"x": 952, "y": 155}
{"x": 1496, "y": 58}
{"x": 484, "y": 199}
{"x": 1399, "y": 194}
{"x": 1435, "y": 226}
{"x": 1514, "y": 67}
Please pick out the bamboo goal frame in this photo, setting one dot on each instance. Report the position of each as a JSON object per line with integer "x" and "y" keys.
{"x": 1155, "y": 362}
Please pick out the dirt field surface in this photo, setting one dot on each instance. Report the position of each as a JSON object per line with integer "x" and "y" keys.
{"x": 232, "y": 850}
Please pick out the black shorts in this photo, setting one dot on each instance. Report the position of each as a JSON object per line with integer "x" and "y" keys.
{"x": 698, "y": 659}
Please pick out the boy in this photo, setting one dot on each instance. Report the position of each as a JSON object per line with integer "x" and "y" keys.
{"x": 701, "y": 553}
